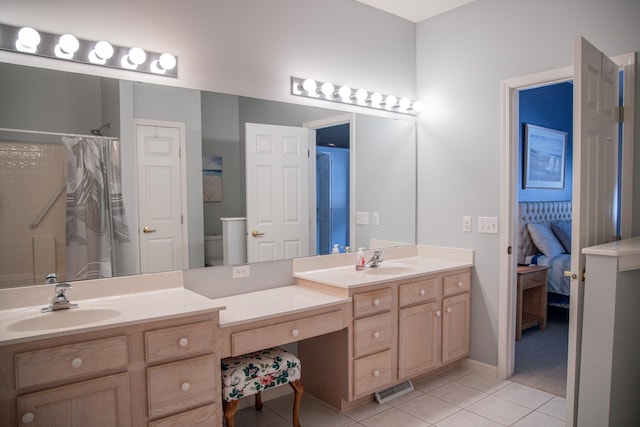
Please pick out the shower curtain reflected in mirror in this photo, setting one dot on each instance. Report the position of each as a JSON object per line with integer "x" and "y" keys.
{"x": 95, "y": 217}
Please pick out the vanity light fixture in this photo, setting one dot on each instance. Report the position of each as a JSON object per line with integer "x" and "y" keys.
{"x": 345, "y": 94}
{"x": 69, "y": 48}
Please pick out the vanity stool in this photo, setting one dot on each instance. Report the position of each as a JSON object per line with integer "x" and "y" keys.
{"x": 258, "y": 371}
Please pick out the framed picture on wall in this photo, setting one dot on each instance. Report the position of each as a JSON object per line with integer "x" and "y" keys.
{"x": 545, "y": 152}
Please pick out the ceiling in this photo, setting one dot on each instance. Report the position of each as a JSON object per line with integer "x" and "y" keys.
{"x": 415, "y": 10}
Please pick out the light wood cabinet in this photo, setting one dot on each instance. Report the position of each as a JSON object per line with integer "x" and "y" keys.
{"x": 154, "y": 373}
{"x": 419, "y": 339}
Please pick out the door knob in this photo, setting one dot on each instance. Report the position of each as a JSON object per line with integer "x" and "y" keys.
{"x": 256, "y": 233}
{"x": 573, "y": 276}
{"x": 148, "y": 230}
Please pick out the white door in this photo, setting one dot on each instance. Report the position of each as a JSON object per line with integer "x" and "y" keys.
{"x": 277, "y": 192}
{"x": 595, "y": 171}
{"x": 160, "y": 202}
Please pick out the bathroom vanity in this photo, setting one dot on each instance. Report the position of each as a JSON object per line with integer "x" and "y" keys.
{"x": 154, "y": 362}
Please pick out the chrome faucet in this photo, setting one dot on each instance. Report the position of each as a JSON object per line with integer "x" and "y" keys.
{"x": 375, "y": 260}
{"x": 60, "y": 301}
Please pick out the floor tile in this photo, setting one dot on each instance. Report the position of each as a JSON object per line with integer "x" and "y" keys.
{"x": 458, "y": 394}
{"x": 465, "y": 418}
{"x": 499, "y": 410}
{"x": 428, "y": 408}
{"x": 455, "y": 373}
{"x": 523, "y": 395}
{"x": 324, "y": 416}
{"x": 249, "y": 417}
{"x": 394, "y": 418}
{"x": 431, "y": 383}
{"x": 367, "y": 411}
{"x": 556, "y": 407}
{"x": 283, "y": 405}
{"x": 405, "y": 398}
{"x": 483, "y": 382}
{"x": 538, "y": 419}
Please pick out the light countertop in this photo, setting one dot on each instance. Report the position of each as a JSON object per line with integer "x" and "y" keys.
{"x": 169, "y": 301}
{"x": 254, "y": 306}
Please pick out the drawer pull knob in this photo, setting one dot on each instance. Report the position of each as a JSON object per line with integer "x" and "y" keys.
{"x": 438, "y": 313}
{"x": 376, "y": 302}
{"x": 376, "y": 373}
{"x": 295, "y": 332}
{"x": 448, "y": 309}
{"x": 376, "y": 334}
{"x": 183, "y": 342}
{"x": 459, "y": 283}
{"x": 185, "y": 387}
{"x": 28, "y": 418}
{"x": 422, "y": 292}
{"x": 77, "y": 362}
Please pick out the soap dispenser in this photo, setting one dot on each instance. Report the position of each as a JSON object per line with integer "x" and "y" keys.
{"x": 360, "y": 259}
{"x": 336, "y": 248}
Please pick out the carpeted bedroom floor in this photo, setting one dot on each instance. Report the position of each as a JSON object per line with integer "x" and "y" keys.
{"x": 541, "y": 357}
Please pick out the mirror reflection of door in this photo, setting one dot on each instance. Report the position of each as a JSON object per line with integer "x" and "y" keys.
{"x": 332, "y": 188}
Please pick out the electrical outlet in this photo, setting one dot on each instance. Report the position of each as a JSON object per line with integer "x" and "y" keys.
{"x": 375, "y": 218}
{"x": 466, "y": 224}
{"x": 240, "y": 271}
{"x": 488, "y": 224}
{"x": 362, "y": 218}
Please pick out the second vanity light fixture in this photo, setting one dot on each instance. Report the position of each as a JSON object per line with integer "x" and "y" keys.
{"x": 68, "y": 47}
{"x": 342, "y": 93}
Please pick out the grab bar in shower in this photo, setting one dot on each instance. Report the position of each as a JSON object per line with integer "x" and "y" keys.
{"x": 46, "y": 209}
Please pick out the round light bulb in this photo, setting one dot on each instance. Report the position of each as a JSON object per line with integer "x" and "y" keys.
{"x": 28, "y": 40}
{"x": 376, "y": 99}
{"x": 391, "y": 101}
{"x": 361, "y": 95}
{"x": 418, "y": 106}
{"x": 327, "y": 89}
{"x": 345, "y": 93}
{"x": 103, "y": 50}
{"x": 404, "y": 103}
{"x": 137, "y": 55}
{"x": 69, "y": 43}
{"x": 167, "y": 61}
{"x": 309, "y": 85}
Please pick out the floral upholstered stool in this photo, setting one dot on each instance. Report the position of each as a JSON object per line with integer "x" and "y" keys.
{"x": 252, "y": 373}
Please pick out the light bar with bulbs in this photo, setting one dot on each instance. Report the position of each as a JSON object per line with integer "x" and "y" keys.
{"x": 68, "y": 47}
{"x": 346, "y": 95}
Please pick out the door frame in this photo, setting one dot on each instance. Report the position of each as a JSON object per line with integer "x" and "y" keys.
{"x": 324, "y": 123}
{"x": 510, "y": 154}
{"x": 183, "y": 184}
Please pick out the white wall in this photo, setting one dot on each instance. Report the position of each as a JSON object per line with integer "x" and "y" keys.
{"x": 462, "y": 56}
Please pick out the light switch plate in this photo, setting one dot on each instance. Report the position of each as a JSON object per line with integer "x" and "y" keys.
{"x": 466, "y": 224}
{"x": 240, "y": 271}
{"x": 488, "y": 224}
{"x": 375, "y": 218}
{"x": 362, "y": 218}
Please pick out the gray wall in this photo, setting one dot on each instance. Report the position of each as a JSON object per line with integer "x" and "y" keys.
{"x": 462, "y": 56}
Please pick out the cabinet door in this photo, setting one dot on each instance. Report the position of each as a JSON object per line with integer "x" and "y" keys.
{"x": 419, "y": 339}
{"x": 455, "y": 327}
{"x": 101, "y": 402}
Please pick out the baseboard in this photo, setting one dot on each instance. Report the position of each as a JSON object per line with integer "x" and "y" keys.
{"x": 481, "y": 367}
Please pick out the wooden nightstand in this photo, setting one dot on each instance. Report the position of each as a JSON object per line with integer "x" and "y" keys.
{"x": 531, "y": 307}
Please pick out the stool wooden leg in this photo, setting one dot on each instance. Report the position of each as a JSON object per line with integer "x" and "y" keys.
{"x": 258, "y": 399}
{"x": 298, "y": 389}
{"x": 229, "y": 409}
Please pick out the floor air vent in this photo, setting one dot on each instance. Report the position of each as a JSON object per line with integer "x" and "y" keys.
{"x": 393, "y": 392}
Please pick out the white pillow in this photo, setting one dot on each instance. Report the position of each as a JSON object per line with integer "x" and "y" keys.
{"x": 545, "y": 240}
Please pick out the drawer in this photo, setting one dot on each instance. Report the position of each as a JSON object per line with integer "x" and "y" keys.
{"x": 179, "y": 341}
{"x": 372, "y": 302}
{"x": 177, "y": 386}
{"x": 286, "y": 332}
{"x": 372, "y": 334}
{"x": 205, "y": 416}
{"x": 422, "y": 291}
{"x": 457, "y": 284}
{"x": 71, "y": 361}
{"x": 372, "y": 373}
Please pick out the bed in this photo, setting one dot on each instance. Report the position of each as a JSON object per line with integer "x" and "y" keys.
{"x": 544, "y": 238}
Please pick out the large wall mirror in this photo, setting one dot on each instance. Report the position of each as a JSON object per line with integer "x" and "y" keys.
{"x": 42, "y": 106}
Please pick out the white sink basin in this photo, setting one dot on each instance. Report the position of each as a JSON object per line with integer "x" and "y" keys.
{"x": 389, "y": 270}
{"x": 63, "y": 319}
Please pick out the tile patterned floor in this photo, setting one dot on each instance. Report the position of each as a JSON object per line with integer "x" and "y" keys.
{"x": 457, "y": 398}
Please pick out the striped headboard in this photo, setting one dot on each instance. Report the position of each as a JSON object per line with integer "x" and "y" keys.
{"x": 537, "y": 212}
